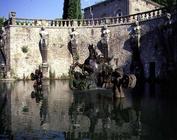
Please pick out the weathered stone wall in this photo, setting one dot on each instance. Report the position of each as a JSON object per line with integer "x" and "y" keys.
{"x": 113, "y": 8}
{"x": 137, "y": 6}
{"x": 21, "y": 64}
{"x": 59, "y": 57}
{"x": 107, "y": 9}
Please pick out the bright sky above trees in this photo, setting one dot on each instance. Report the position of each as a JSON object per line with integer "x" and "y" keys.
{"x": 49, "y": 9}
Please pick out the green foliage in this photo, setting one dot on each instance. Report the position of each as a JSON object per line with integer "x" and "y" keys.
{"x": 1, "y": 21}
{"x": 24, "y": 49}
{"x": 166, "y": 2}
{"x": 72, "y": 9}
{"x": 65, "y": 9}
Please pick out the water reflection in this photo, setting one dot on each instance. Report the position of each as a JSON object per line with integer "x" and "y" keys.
{"x": 55, "y": 112}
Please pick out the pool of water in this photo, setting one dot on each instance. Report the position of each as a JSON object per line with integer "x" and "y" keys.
{"x": 59, "y": 113}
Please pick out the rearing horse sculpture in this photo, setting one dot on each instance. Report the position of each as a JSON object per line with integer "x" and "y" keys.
{"x": 96, "y": 72}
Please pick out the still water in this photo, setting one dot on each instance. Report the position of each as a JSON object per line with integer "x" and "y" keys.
{"x": 61, "y": 114}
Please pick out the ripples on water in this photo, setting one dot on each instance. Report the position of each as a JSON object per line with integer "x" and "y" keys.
{"x": 59, "y": 113}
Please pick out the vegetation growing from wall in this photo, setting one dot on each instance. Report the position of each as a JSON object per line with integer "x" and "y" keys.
{"x": 24, "y": 49}
{"x": 72, "y": 9}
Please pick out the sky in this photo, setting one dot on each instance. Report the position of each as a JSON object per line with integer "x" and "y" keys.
{"x": 44, "y": 9}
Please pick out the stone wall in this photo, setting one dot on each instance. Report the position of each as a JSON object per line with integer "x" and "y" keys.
{"x": 21, "y": 64}
{"x": 137, "y": 6}
{"x": 113, "y": 8}
{"x": 59, "y": 57}
{"x": 107, "y": 9}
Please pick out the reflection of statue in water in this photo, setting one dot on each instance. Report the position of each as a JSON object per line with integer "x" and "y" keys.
{"x": 122, "y": 113}
{"x": 73, "y": 45}
{"x": 44, "y": 110}
{"x": 40, "y": 93}
{"x": 37, "y": 93}
{"x": 106, "y": 115}
{"x": 43, "y": 44}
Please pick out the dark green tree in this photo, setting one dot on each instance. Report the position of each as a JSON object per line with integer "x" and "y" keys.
{"x": 65, "y": 9}
{"x": 166, "y": 2}
{"x": 1, "y": 21}
{"x": 72, "y": 9}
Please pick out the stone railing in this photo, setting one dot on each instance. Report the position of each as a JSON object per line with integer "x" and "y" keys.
{"x": 92, "y": 22}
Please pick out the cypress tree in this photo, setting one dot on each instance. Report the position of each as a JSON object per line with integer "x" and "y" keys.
{"x": 1, "y": 21}
{"x": 72, "y": 9}
{"x": 65, "y": 9}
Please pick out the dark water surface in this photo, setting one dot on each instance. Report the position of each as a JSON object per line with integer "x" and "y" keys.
{"x": 146, "y": 113}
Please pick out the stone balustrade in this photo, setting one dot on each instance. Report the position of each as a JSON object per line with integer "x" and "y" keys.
{"x": 92, "y": 22}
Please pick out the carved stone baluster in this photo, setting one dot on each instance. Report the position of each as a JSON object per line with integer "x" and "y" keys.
{"x": 149, "y": 14}
{"x": 127, "y": 19}
{"x": 153, "y": 14}
{"x": 65, "y": 23}
{"x": 145, "y": 16}
{"x": 158, "y": 13}
{"x": 83, "y": 22}
{"x": 71, "y": 23}
{"x": 55, "y": 23}
{"x": 95, "y": 22}
{"x": 115, "y": 20}
{"x": 90, "y": 23}
{"x": 86, "y": 22}
{"x": 59, "y": 23}
{"x": 120, "y": 19}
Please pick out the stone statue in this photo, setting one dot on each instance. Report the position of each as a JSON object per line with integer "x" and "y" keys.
{"x": 137, "y": 33}
{"x": 43, "y": 44}
{"x": 169, "y": 20}
{"x": 95, "y": 72}
{"x": 105, "y": 34}
{"x": 2, "y": 45}
{"x": 136, "y": 66}
{"x": 73, "y": 44}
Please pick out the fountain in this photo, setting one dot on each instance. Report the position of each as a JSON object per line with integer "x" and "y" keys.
{"x": 97, "y": 73}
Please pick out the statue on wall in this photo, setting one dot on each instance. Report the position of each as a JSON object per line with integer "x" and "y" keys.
{"x": 136, "y": 65}
{"x": 2, "y": 45}
{"x": 137, "y": 34}
{"x": 73, "y": 45}
{"x": 169, "y": 41}
{"x": 43, "y": 44}
{"x": 105, "y": 34}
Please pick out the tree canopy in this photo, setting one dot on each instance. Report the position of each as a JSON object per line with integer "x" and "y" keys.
{"x": 72, "y": 9}
{"x": 1, "y": 21}
{"x": 166, "y": 2}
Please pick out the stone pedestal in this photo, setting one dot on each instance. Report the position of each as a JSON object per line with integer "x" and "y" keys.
{"x": 8, "y": 75}
{"x": 45, "y": 70}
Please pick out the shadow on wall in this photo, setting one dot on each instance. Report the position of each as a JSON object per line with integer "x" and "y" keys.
{"x": 157, "y": 54}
